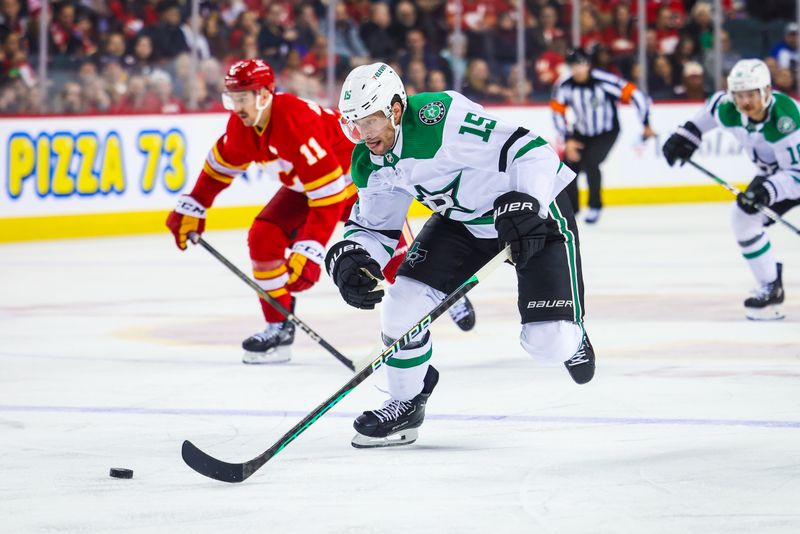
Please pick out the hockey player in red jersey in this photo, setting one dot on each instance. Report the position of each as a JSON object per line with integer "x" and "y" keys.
{"x": 316, "y": 194}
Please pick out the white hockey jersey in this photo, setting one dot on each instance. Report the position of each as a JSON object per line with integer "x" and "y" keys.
{"x": 456, "y": 158}
{"x": 773, "y": 144}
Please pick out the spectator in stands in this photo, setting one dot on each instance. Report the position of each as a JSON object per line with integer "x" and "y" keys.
{"x": 405, "y": 19}
{"x": 503, "y": 41}
{"x": 213, "y": 31}
{"x": 601, "y": 59}
{"x": 661, "y": 80}
{"x": 513, "y": 92}
{"x": 70, "y": 99}
{"x": 307, "y": 26}
{"x": 12, "y": 19}
{"x": 729, "y": 56}
{"x": 275, "y": 38}
{"x": 666, "y": 31}
{"x": 113, "y": 49}
{"x": 693, "y": 83}
{"x": 455, "y": 56}
{"x": 591, "y": 35}
{"x": 416, "y": 77}
{"x": 684, "y": 53}
{"x": 63, "y": 40}
{"x": 437, "y": 81}
{"x": 416, "y": 49}
{"x": 785, "y": 52}
{"x": 140, "y": 60}
{"x": 550, "y": 66}
{"x": 375, "y": 33}
{"x": 161, "y": 87}
{"x": 349, "y": 47}
{"x": 167, "y": 37}
{"x": 432, "y": 20}
{"x": 95, "y": 96}
{"x": 701, "y": 27}
{"x": 479, "y": 87}
{"x": 784, "y": 81}
{"x": 246, "y": 23}
{"x": 621, "y": 37}
{"x": 136, "y": 98}
{"x": 550, "y": 27}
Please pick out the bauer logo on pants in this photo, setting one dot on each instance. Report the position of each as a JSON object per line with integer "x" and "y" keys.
{"x": 549, "y": 304}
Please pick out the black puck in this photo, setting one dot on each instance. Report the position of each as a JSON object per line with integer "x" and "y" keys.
{"x": 119, "y": 472}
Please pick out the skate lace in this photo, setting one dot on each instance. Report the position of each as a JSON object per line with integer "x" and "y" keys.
{"x": 579, "y": 357}
{"x": 271, "y": 331}
{"x": 459, "y": 310}
{"x": 391, "y": 410}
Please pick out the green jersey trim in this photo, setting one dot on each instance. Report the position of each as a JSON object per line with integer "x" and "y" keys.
{"x": 536, "y": 143}
{"x": 423, "y": 124}
{"x": 362, "y": 166}
{"x": 784, "y": 119}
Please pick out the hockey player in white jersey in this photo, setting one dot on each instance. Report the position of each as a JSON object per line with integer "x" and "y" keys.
{"x": 486, "y": 181}
{"x": 767, "y": 124}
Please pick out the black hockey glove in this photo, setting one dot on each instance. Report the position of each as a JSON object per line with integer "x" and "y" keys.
{"x": 347, "y": 262}
{"x": 682, "y": 144}
{"x": 755, "y": 194}
{"x": 517, "y": 221}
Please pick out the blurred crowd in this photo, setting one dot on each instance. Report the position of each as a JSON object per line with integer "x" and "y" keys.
{"x": 126, "y": 56}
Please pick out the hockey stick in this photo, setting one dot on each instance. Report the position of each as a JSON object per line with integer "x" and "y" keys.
{"x": 237, "y": 472}
{"x": 272, "y": 302}
{"x": 763, "y": 209}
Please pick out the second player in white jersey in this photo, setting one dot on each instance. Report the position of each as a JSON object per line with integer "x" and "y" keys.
{"x": 767, "y": 124}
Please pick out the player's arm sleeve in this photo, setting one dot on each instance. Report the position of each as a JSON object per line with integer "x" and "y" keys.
{"x": 785, "y": 182}
{"x": 316, "y": 166}
{"x": 529, "y": 160}
{"x": 223, "y": 163}
{"x": 558, "y": 106}
{"x": 626, "y": 92}
{"x": 708, "y": 118}
{"x": 377, "y": 219}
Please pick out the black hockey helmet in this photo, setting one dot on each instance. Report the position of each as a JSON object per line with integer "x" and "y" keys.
{"x": 578, "y": 55}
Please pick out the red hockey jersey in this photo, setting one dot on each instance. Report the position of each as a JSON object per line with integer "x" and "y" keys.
{"x": 314, "y": 157}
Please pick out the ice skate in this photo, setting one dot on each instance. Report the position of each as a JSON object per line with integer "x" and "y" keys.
{"x": 592, "y": 215}
{"x": 463, "y": 314}
{"x": 581, "y": 365}
{"x": 396, "y": 422}
{"x": 765, "y": 304}
{"x": 272, "y": 345}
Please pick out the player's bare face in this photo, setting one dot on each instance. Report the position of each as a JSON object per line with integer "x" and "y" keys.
{"x": 377, "y": 132}
{"x": 580, "y": 72}
{"x": 243, "y": 104}
{"x": 750, "y": 103}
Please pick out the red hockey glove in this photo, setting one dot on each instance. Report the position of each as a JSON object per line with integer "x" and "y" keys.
{"x": 304, "y": 265}
{"x": 188, "y": 216}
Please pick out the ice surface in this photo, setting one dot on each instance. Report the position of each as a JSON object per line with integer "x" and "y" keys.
{"x": 113, "y": 351}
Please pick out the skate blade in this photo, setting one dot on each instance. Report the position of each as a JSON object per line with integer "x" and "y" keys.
{"x": 768, "y": 313}
{"x": 404, "y": 437}
{"x": 277, "y": 355}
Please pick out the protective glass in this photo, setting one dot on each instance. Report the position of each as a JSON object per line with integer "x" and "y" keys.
{"x": 361, "y": 129}
{"x": 240, "y": 99}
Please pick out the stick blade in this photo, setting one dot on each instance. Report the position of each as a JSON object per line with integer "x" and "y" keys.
{"x": 211, "y": 467}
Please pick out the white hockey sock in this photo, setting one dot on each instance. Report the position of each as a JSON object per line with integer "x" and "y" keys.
{"x": 758, "y": 253}
{"x": 405, "y": 371}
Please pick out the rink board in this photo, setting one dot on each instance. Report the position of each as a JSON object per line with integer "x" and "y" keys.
{"x": 115, "y": 175}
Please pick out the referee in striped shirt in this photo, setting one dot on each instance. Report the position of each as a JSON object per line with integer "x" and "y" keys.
{"x": 593, "y": 95}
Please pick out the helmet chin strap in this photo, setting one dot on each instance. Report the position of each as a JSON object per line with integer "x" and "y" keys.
{"x": 396, "y": 128}
{"x": 262, "y": 108}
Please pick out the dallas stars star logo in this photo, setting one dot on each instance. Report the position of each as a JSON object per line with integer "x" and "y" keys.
{"x": 444, "y": 201}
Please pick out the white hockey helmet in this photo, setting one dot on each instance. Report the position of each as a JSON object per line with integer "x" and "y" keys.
{"x": 748, "y": 75}
{"x": 366, "y": 90}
